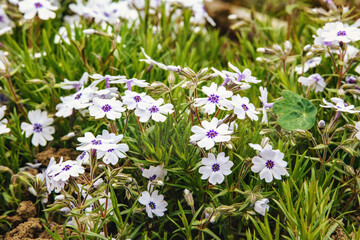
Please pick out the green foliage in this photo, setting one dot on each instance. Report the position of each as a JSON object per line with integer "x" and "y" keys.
{"x": 295, "y": 112}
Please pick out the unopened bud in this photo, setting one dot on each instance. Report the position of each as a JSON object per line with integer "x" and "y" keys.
{"x": 89, "y": 31}
{"x": 224, "y": 209}
{"x": 321, "y": 124}
{"x": 277, "y": 47}
{"x": 349, "y": 169}
{"x": 341, "y": 93}
{"x": 261, "y": 50}
{"x": 287, "y": 46}
{"x": 188, "y": 197}
{"x": 171, "y": 78}
{"x": 307, "y": 48}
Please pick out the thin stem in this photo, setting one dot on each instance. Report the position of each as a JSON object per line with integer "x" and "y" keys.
{"x": 13, "y": 93}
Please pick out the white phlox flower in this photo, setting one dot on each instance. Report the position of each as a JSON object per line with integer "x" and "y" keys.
{"x": 40, "y": 127}
{"x": 263, "y": 98}
{"x": 227, "y": 78}
{"x": 67, "y": 84}
{"x": 210, "y": 133}
{"x": 50, "y": 172}
{"x": 149, "y": 60}
{"x": 155, "y": 173}
{"x": 315, "y": 81}
{"x": 84, "y": 158}
{"x": 156, "y": 111}
{"x": 340, "y": 105}
{"x": 216, "y": 97}
{"x": 132, "y": 82}
{"x": 89, "y": 141}
{"x": 155, "y": 203}
{"x": 270, "y": 164}
{"x": 341, "y": 32}
{"x": 215, "y": 168}
{"x": 111, "y": 108}
{"x": 311, "y": 63}
{"x": 243, "y": 108}
{"x": 244, "y": 76}
{"x": 357, "y": 127}
{"x": 42, "y": 8}
{"x": 3, "y": 122}
{"x": 117, "y": 150}
{"x": 67, "y": 169}
{"x": 6, "y": 24}
{"x": 261, "y": 206}
{"x": 134, "y": 100}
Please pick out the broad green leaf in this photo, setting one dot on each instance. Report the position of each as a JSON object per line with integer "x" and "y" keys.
{"x": 295, "y": 112}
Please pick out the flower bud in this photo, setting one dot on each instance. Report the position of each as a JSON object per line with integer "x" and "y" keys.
{"x": 287, "y": 46}
{"x": 321, "y": 124}
{"x": 307, "y": 48}
{"x": 188, "y": 197}
{"x": 260, "y": 50}
{"x": 89, "y": 31}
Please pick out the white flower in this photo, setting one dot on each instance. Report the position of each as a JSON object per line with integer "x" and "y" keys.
{"x": 84, "y": 157}
{"x": 263, "y": 98}
{"x": 270, "y": 164}
{"x": 149, "y": 60}
{"x": 155, "y": 203}
{"x": 111, "y": 108}
{"x": 227, "y": 78}
{"x": 62, "y": 35}
{"x": 76, "y": 84}
{"x": 156, "y": 111}
{"x": 339, "y": 105}
{"x": 210, "y": 133}
{"x": 261, "y": 206}
{"x": 341, "y": 33}
{"x": 315, "y": 81}
{"x": 215, "y": 168}
{"x": 43, "y": 8}
{"x": 259, "y": 148}
{"x": 6, "y": 24}
{"x": 3, "y": 122}
{"x": 357, "y": 127}
{"x": 79, "y": 100}
{"x": 217, "y": 97}
{"x": 131, "y": 82}
{"x": 136, "y": 100}
{"x": 39, "y": 127}
{"x": 89, "y": 141}
{"x": 244, "y": 76}
{"x": 116, "y": 150}
{"x": 67, "y": 169}
{"x": 153, "y": 173}
{"x": 311, "y": 63}
{"x": 242, "y": 107}
{"x": 50, "y": 171}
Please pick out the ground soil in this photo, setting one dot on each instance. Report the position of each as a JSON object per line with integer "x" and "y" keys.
{"x": 26, "y": 226}
{"x": 66, "y": 153}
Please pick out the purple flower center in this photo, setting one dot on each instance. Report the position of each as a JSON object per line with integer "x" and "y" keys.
{"x": 214, "y": 98}
{"x": 106, "y": 14}
{"x": 154, "y": 109}
{"x": 212, "y": 134}
{"x": 110, "y": 150}
{"x": 341, "y": 33}
{"x": 106, "y": 108}
{"x": 66, "y": 168}
{"x": 269, "y": 164}
{"x": 215, "y": 167}
{"x": 78, "y": 96}
{"x": 153, "y": 177}
{"x": 137, "y": 98}
{"x": 96, "y": 142}
{"x": 1, "y": 19}
{"x": 152, "y": 205}
{"x": 82, "y": 155}
{"x": 37, "y": 127}
{"x": 38, "y": 5}
{"x": 241, "y": 77}
{"x": 245, "y": 107}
